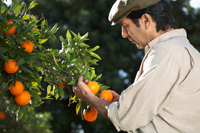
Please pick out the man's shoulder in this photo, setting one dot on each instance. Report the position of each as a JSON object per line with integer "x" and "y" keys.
{"x": 173, "y": 45}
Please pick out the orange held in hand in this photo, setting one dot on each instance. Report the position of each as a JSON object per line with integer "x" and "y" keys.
{"x": 28, "y": 45}
{"x": 11, "y": 66}
{"x": 2, "y": 115}
{"x": 94, "y": 87}
{"x": 23, "y": 99}
{"x": 17, "y": 89}
{"x": 91, "y": 115}
{"x": 107, "y": 95}
{"x": 10, "y": 31}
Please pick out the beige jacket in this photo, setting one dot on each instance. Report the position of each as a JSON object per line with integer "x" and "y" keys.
{"x": 165, "y": 96}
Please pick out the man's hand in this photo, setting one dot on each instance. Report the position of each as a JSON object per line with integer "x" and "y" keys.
{"x": 115, "y": 95}
{"x": 81, "y": 90}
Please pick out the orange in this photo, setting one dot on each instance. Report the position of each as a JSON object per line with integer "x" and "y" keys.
{"x": 11, "y": 66}
{"x": 17, "y": 89}
{"x": 91, "y": 115}
{"x": 28, "y": 45}
{"x": 12, "y": 30}
{"x": 23, "y": 99}
{"x": 2, "y": 115}
{"x": 107, "y": 95}
{"x": 93, "y": 86}
{"x": 61, "y": 85}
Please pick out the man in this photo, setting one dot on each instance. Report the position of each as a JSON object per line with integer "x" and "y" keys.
{"x": 165, "y": 96}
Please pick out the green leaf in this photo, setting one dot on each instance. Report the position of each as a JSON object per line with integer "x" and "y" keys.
{"x": 93, "y": 74}
{"x": 73, "y": 82}
{"x": 61, "y": 92}
{"x": 78, "y": 106}
{"x": 19, "y": 28}
{"x": 32, "y": 5}
{"x": 37, "y": 101}
{"x": 13, "y": 81}
{"x": 34, "y": 89}
{"x": 103, "y": 87}
{"x": 32, "y": 38}
{"x": 3, "y": 50}
{"x": 49, "y": 91}
{"x": 13, "y": 107}
{"x": 24, "y": 77}
{"x": 83, "y": 45}
{"x": 74, "y": 34}
{"x": 43, "y": 24}
{"x": 93, "y": 62}
{"x": 11, "y": 38}
{"x": 56, "y": 94}
{"x": 28, "y": 29}
{"x": 63, "y": 40}
{"x": 26, "y": 70}
{"x": 84, "y": 37}
{"x": 84, "y": 71}
{"x": 4, "y": 58}
{"x": 19, "y": 115}
{"x": 18, "y": 7}
{"x": 68, "y": 35}
{"x": 54, "y": 29}
{"x": 21, "y": 61}
{"x": 43, "y": 40}
{"x": 97, "y": 78}
{"x": 95, "y": 55}
{"x": 26, "y": 17}
{"x": 95, "y": 48}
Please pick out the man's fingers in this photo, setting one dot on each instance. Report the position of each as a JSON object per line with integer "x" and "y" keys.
{"x": 74, "y": 87}
{"x": 86, "y": 81}
{"x": 80, "y": 78}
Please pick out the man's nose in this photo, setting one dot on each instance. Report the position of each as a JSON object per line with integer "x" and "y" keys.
{"x": 124, "y": 32}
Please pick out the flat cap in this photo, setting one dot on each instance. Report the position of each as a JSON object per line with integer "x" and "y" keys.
{"x": 121, "y": 8}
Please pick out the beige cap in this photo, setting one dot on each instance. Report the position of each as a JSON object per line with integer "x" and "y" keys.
{"x": 121, "y": 8}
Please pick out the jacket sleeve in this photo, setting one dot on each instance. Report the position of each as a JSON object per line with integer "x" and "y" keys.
{"x": 142, "y": 100}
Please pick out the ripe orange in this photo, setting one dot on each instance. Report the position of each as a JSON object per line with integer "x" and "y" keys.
{"x": 28, "y": 45}
{"x": 12, "y": 30}
{"x": 11, "y": 66}
{"x": 107, "y": 95}
{"x": 23, "y": 99}
{"x": 2, "y": 115}
{"x": 91, "y": 115}
{"x": 17, "y": 89}
{"x": 94, "y": 87}
{"x": 61, "y": 85}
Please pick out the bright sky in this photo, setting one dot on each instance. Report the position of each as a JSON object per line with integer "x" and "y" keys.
{"x": 195, "y": 3}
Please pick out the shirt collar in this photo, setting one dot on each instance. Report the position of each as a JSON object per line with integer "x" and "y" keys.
{"x": 167, "y": 35}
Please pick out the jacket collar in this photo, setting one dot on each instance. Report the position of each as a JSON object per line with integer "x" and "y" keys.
{"x": 167, "y": 35}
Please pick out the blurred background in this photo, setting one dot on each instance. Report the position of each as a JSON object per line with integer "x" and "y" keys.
{"x": 120, "y": 59}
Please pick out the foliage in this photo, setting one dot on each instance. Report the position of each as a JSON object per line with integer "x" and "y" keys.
{"x": 31, "y": 122}
{"x": 54, "y": 66}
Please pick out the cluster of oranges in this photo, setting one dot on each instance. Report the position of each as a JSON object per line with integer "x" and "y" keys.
{"x": 11, "y": 66}
{"x": 105, "y": 94}
{"x": 22, "y": 97}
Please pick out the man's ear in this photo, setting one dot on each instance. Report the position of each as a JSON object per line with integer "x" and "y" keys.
{"x": 146, "y": 20}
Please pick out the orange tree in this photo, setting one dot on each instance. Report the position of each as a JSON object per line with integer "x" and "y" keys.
{"x": 59, "y": 68}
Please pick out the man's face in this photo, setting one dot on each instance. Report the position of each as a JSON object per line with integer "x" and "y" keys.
{"x": 136, "y": 35}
